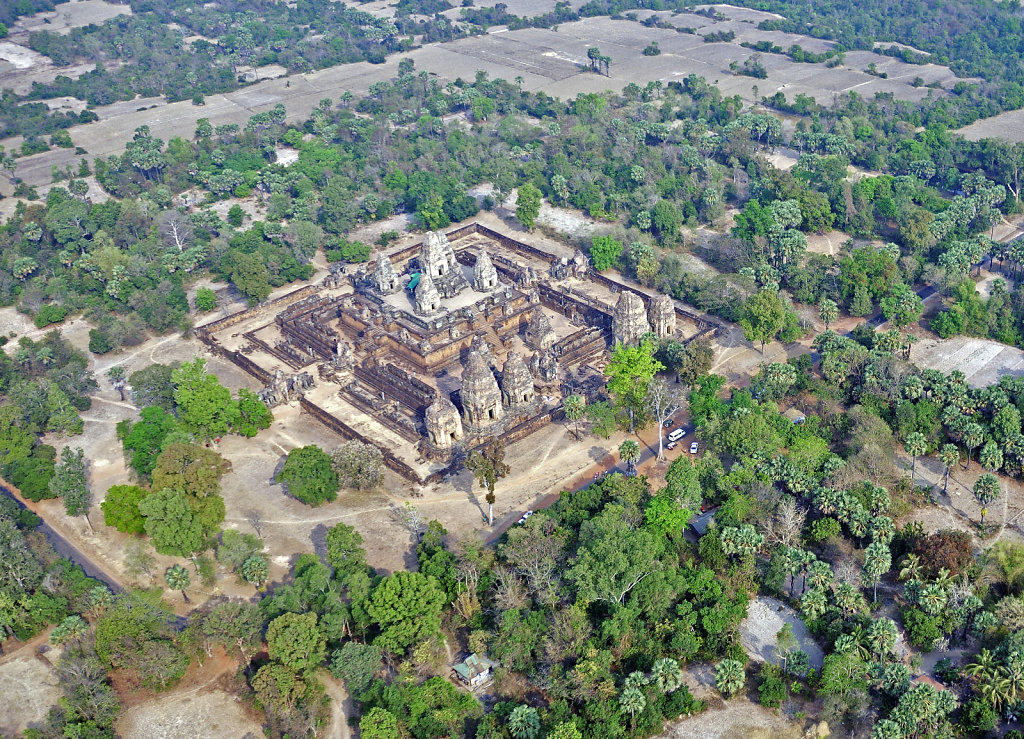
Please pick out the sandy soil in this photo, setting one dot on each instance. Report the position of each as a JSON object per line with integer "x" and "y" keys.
{"x": 196, "y": 714}
{"x": 28, "y": 685}
{"x": 1008, "y": 126}
{"x": 983, "y": 361}
{"x": 738, "y": 719}
{"x": 20, "y": 57}
{"x": 765, "y": 618}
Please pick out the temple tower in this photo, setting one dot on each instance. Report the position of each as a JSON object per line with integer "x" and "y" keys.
{"x": 629, "y": 320}
{"x": 481, "y": 398}
{"x": 516, "y": 381}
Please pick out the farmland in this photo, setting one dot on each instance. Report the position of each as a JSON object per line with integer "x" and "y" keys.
{"x": 550, "y": 60}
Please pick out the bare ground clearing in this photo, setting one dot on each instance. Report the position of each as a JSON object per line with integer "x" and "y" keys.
{"x": 1008, "y": 126}
{"x": 765, "y": 618}
{"x": 983, "y": 361}
{"x": 198, "y": 709}
{"x": 28, "y": 685}
{"x": 736, "y": 719}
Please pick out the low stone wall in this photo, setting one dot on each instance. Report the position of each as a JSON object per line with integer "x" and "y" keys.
{"x": 343, "y": 429}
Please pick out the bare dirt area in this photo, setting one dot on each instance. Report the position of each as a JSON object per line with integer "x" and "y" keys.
{"x": 193, "y": 715}
{"x": 736, "y": 719}
{"x": 830, "y": 243}
{"x": 983, "y": 361}
{"x": 765, "y": 618}
{"x": 69, "y": 15}
{"x": 28, "y": 685}
{"x": 1008, "y": 126}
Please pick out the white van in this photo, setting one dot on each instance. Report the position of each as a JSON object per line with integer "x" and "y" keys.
{"x": 677, "y": 435}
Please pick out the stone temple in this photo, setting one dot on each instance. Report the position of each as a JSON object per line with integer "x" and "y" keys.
{"x": 442, "y": 345}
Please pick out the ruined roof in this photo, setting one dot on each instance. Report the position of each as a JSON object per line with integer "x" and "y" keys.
{"x": 476, "y": 369}
{"x": 425, "y": 289}
{"x": 515, "y": 376}
{"x": 474, "y": 665}
{"x": 441, "y": 407}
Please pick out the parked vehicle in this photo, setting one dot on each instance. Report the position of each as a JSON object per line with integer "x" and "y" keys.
{"x": 677, "y": 435}
{"x": 693, "y": 448}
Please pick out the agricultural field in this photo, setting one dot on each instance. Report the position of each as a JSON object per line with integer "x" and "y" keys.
{"x": 1008, "y": 126}
{"x": 549, "y": 60}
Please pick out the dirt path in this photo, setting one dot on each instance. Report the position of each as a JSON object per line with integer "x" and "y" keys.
{"x": 341, "y": 706}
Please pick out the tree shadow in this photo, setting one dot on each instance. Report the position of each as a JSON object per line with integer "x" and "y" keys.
{"x": 318, "y": 537}
{"x": 597, "y": 454}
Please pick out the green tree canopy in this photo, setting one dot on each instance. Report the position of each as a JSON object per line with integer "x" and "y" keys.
{"x": 407, "y": 608}
{"x": 121, "y": 508}
{"x": 171, "y": 522}
{"x": 295, "y": 640}
{"x": 309, "y": 475}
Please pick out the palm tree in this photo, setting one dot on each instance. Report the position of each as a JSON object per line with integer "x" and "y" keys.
{"x": 916, "y": 445}
{"x": 813, "y": 604}
{"x": 828, "y": 311}
{"x": 632, "y": 701}
{"x": 991, "y": 456}
{"x": 524, "y": 723}
{"x": 986, "y": 490}
{"x": 574, "y": 407}
{"x": 116, "y": 375}
{"x": 911, "y": 567}
{"x": 819, "y": 574}
{"x": 949, "y": 456}
{"x": 668, "y": 676}
{"x": 730, "y": 677}
{"x": 178, "y": 579}
{"x": 973, "y": 437}
{"x": 629, "y": 452}
{"x": 882, "y": 637}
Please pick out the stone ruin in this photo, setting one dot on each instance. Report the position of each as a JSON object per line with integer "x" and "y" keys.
{"x": 450, "y": 344}
{"x": 286, "y": 388}
{"x": 629, "y": 321}
{"x": 663, "y": 316}
{"x": 539, "y": 334}
{"x": 481, "y": 398}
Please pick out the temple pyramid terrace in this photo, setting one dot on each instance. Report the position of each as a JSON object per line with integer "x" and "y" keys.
{"x": 431, "y": 350}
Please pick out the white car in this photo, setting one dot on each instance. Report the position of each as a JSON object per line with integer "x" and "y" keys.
{"x": 670, "y": 446}
{"x": 693, "y": 448}
{"x": 525, "y": 516}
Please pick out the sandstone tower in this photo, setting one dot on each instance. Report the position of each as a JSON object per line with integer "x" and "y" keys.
{"x": 481, "y": 399}
{"x": 629, "y": 321}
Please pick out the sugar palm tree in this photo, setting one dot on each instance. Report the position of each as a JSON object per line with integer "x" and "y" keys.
{"x": 632, "y": 701}
{"x": 574, "y": 407}
{"x": 991, "y": 456}
{"x": 813, "y": 604}
{"x": 949, "y": 456}
{"x": 729, "y": 677}
{"x": 882, "y": 637}
{"x": 986, "y": 490}
{"x": 916, "y": 445}
{"x": 178, "y": 579}
{"x": 973, "y": 436}
{"x": 629, "y": 452}
{"x": 911, "y": 567}
{"x": 668, "y": 676}
{"x": 524, "y": 722}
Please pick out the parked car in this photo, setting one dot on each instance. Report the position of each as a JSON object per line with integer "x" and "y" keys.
{"x": 525, "y": 516}
{"x": 693, "y": 448}
{"x": 669, "y": 422}
{"x": 671, "y": 445}
{"x": 677, "y": 435}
